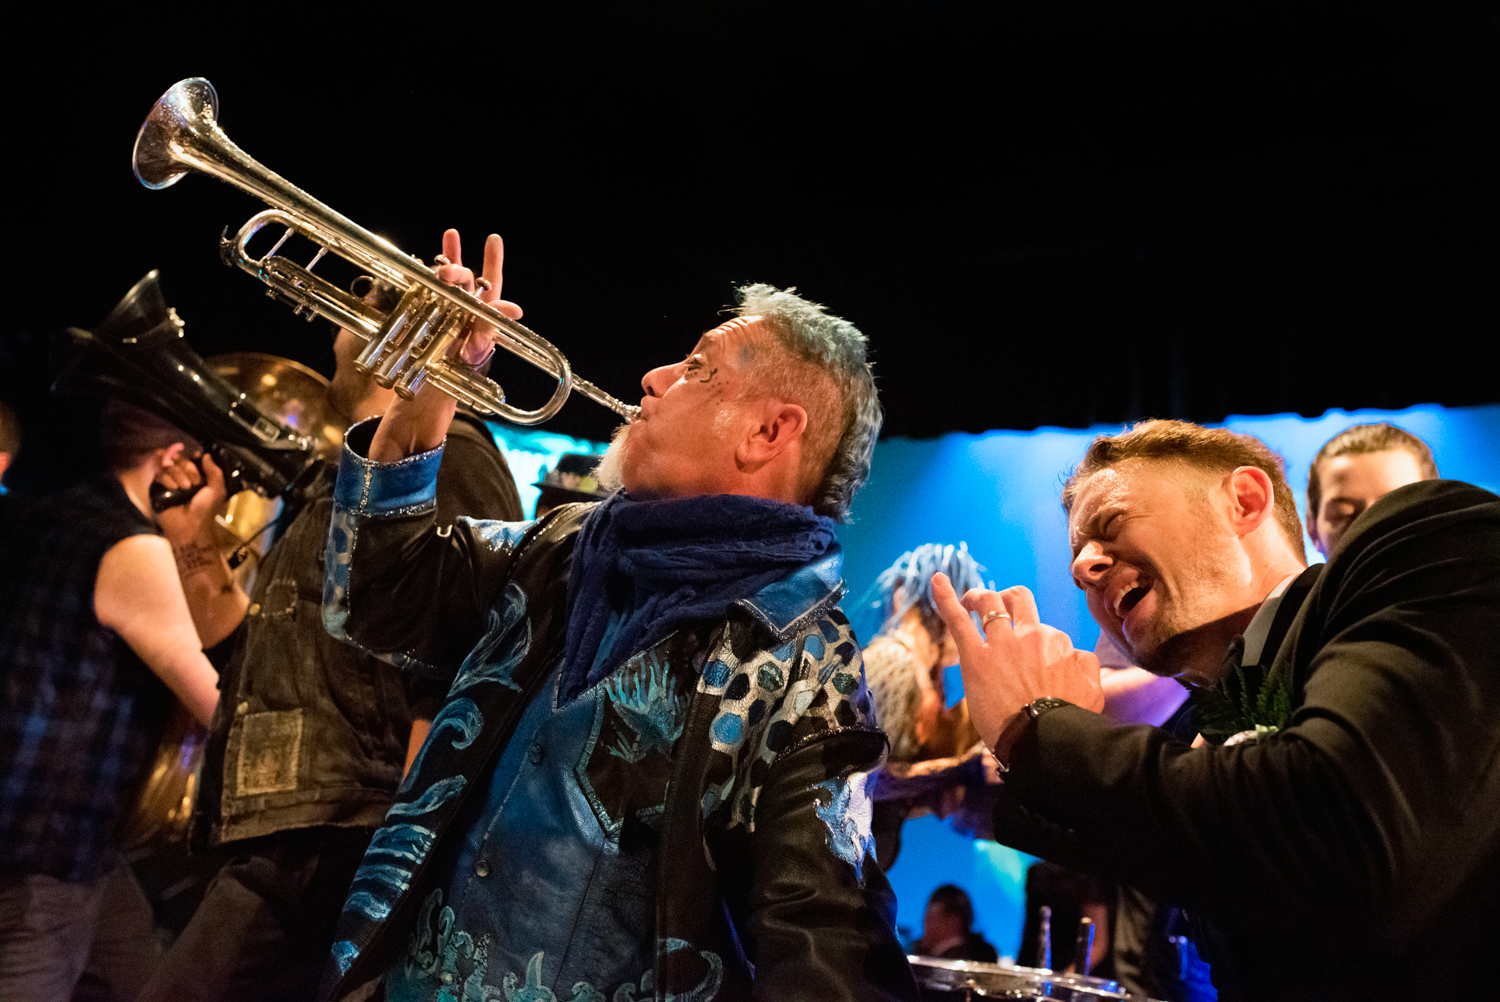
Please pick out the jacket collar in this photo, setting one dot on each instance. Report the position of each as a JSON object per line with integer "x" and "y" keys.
{"x": 1269, "y": 626}
{"x": 808, "y": 593}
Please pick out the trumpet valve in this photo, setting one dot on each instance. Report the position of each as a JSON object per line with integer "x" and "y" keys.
{"x": 407, "y": 351}
{"x": 369, "y": 355}
{"x": 435, "y": 350}
{"x": 382, "y": 344}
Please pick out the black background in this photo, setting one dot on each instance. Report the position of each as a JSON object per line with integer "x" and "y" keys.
{"x": 1039, "y": 213}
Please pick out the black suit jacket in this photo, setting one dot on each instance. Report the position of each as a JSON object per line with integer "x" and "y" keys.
{"x": 1356, "y": 853}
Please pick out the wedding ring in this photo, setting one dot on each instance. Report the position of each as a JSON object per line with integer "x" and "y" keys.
{"x": 985, "y": 619}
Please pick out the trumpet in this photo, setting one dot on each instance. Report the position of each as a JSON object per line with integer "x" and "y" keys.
{"x": 406, "y": 346}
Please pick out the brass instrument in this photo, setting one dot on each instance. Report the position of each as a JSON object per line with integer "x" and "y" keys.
{"x": 405, "y": 346}
{"x": 287, "y": 391}
{"x": 139, "y": 354}
{"x": 297, "y": 397}
{"x": 163, "y": 808}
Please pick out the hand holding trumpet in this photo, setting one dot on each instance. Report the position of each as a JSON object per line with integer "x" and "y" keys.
{"x": 479, "y": 341}
{"x": 418, "y": 425}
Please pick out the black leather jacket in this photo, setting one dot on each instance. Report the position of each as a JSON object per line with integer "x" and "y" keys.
{"x": 1354, "y": 853}
{"x": 766, "y": 881}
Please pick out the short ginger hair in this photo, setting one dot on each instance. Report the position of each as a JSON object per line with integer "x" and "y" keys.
{"x": 1212, "y": 450}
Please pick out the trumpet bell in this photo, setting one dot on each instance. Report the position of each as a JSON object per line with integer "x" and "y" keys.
{"x": 188, "y": 102}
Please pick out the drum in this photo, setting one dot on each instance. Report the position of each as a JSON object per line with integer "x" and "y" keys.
{"x": 970, "y": 981}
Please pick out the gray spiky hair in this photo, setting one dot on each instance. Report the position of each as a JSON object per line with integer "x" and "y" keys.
{"x": 842, "y": 424}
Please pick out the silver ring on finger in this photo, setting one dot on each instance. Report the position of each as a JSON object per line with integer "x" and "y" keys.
{"x": 984, "y": 620}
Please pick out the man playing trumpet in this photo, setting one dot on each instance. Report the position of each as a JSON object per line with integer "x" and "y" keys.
{"x": 649, "y": 775}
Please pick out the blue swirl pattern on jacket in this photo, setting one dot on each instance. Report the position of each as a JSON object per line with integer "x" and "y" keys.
{"x": 738, "y": 750}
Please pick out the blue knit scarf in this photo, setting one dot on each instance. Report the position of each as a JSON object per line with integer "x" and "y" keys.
{"x": 658, "y": 565}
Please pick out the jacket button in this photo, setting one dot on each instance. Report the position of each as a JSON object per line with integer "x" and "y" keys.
{"x": 254, "y": 609}
{"x": 244, "y": 707}
{"x": 537, "y": 753}
{"x": 482, "y": 867}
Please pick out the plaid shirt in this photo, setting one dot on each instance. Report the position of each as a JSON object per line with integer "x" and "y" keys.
{"x": 79, "y": 712}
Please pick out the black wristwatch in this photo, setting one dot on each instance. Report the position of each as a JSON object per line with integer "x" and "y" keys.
{"x": 1037, "y": 707}
{"x": 1031, "y": 711}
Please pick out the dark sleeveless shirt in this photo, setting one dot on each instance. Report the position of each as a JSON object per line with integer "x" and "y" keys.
{"x": 80, "y": 714}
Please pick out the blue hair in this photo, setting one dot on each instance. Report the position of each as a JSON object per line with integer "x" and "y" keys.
{"x": 907, "y": 584}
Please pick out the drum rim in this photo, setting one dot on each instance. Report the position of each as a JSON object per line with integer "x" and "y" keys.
{"x": 1102, "y": 987}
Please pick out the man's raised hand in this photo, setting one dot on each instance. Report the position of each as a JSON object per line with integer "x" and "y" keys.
{"x": 1012, "y": 659}
{"x": 413, "y": 426}
{"x": 479, "y": 341}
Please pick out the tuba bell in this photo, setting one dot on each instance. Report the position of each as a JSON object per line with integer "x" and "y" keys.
{"x": 404, "y": 347}
{"x": 138, "y": 354}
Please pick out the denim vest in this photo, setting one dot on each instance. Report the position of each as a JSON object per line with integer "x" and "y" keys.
{"x": 308, "y": 731}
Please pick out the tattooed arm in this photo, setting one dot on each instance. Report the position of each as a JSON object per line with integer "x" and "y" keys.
{"x": 214, "y": 596}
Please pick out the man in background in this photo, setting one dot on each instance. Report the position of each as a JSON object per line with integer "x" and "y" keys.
{"x": 313, "y": 735}
{"x": 947, "y": 928}
{"x": 96, "y": 638}
{"x": 1353, "y": 470}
